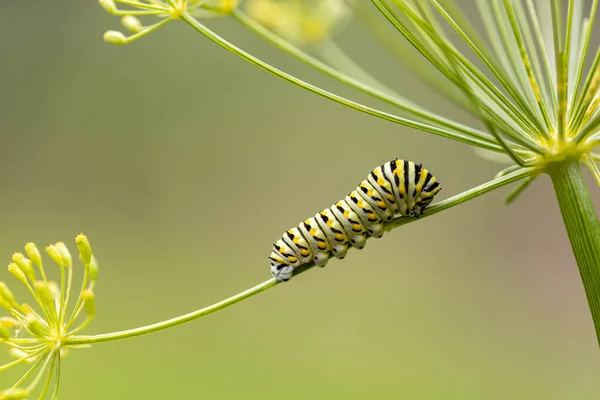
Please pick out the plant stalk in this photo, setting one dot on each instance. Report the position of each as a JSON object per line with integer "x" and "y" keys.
{"x": 77, "y": 340}
{"x": 583, "y": 229}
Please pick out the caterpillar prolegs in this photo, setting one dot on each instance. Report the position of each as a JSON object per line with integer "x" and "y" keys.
{"x": 398, "y": 187}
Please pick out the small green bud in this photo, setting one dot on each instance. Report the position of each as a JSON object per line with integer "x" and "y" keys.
{"x": 4, "y": 333}
{"x": 33, "y": 253}
{"x": 85, "y": 250}
{"x": 25, "y": 265}
{"x": 132, "y": 23}
{"x": 89, "y": 302}
{"x": 5, "y": 304}
{"x": 94, "y": 269}
{"x": 6, "y": 294}
{"x": 115, "y": 37}
{"x": 9, "y": 322}
{"x": 65, "y": 254}
{"x": 17, "y": 273}
{"x": 227, "y": 6}
{"x": 35, "y": 326}
{"x": 54, "y": 289}
{"x": 54, "y": 254}
{"x": 108, "y": 5}
{"x": 15, "y": 394}
{"x": 43, "y": 290}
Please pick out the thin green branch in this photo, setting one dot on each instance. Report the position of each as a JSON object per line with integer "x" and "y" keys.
{"x": 525, "y": 59}
{"x": 521, "y": 132}
{"x": 333, "y": 55}
{"x": 470, "y": 194}
{"x": 490, "y": 63}
{"x": 579, "y": 95}
{"x": 487, "y": 144}
{"x": 519, "y": 189}
{"x": 441, "y": 42}
{"x": 434, "y": 209}
{"x": 398, "y": 102}
{"x": 418, "y": 66}
{"x": 77, "y": 340}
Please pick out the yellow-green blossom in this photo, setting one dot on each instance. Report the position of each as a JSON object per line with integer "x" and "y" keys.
{"x": 301, "y": 21}
{"x": 163, "y": 10}
{"x": 36, "y": 333}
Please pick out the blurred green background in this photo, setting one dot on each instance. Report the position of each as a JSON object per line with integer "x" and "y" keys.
{"x": 183, "y": 164}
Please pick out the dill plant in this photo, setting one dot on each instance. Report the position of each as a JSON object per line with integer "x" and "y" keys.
{"x": 530, "y": 76}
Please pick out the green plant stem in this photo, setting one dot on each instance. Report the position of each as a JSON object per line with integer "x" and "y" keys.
{"x": 443, "y": 205}
{"x": 482, "y": 142}
{"x": 76, "y": 340}
{"x": 583, "y": 229}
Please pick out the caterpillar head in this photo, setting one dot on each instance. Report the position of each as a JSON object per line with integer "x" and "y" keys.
{"x": 282, "y": 272}
{"x": 425, "y": 198}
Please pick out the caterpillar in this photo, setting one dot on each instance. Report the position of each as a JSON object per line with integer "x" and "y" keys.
{"x": 398, "y": 187}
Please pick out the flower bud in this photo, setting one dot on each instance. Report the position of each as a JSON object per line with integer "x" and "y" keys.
{"x": 43, "y": 291}
{"x": 5, "y": 304}
{"x": 25, "y": 265}
{"x": 33, "y": 253}
{"x": 35, "y": 326}
{"x": 54, "y": 289}
{"x": 17, "y": 273}
{"x": 9, "y": 322}
{"x": 65, "y": 254}
{"x": 108, "y": 5}
{"x": 115, "y": 37}
{"x": 4, "y": 333}
{"x": 89, "y": 302}
{"x": 93, "y": 269}
{"x": 85, "y": 250}
{"x": 132, "y": 24}
{"x": 6, "y": 294}
{"x": 227, "y": 6}
{"x": 54, "y": 254}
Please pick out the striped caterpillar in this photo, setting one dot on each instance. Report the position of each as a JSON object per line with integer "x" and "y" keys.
{"x": 398, "y": 187}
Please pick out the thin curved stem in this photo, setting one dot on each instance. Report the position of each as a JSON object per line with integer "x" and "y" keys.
{"x": 464, "y": 196}
{"x": 477, "y": 142}
{"x": 389, "y": 97}
{"x": 443, "y": 205}
{"x": 76, "y": 340}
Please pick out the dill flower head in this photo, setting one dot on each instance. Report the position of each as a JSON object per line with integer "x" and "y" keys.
{"x": 164, "y": 10}
{"x": 301, "y": 21}
{"x": 36, "y": 332}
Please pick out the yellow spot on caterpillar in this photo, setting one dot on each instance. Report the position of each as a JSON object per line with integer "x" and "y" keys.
{"x": 381, "y": 204}
{"x": 321, "y": 246}
{"x": 292, "y": 259}
{"x": 313, "y": 232}
{"x": 390, "y": 197}
{"x": 356, "y": 227}
{"x": 304, "y": 252}
{"x": 339, "y": 237}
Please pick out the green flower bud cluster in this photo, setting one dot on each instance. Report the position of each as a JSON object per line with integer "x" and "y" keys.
{"x": 38, "y": 334}
{"x": 164, "y": 10}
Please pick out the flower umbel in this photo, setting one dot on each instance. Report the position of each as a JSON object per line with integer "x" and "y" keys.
{"x": 38, "y": 334}
{"x": 164, "y": 10}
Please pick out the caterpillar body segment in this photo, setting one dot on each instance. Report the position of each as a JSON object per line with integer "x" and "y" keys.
{"x": 398, "y": 187}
